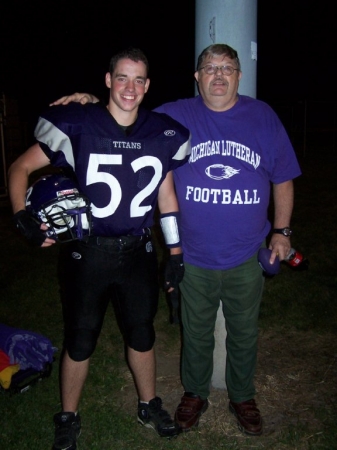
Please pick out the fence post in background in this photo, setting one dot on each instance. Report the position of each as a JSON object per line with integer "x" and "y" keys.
{"x": 232, "y": 22}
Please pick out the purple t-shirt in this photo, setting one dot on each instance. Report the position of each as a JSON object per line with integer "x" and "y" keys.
{"x": 224, "y": 189}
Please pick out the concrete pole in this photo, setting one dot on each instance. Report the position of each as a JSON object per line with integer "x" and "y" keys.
{"x": 232, "y": 22}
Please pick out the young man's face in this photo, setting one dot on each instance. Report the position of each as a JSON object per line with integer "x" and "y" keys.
{"x": 128, "y": 84}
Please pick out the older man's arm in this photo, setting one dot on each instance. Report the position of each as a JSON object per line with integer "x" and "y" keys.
{"x": 78, "y": 97}
{"x": 283, "y": 207}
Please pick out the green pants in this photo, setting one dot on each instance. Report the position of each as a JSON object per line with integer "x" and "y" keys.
{"x": 240, "y": 291}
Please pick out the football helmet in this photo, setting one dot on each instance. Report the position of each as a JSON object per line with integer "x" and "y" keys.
{"x": 56, "y": 201}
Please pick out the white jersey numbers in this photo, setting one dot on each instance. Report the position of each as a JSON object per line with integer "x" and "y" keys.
{"x": 94, "y": 176}
{"x": 97, "y": 175}
{"x": 135, "y": 209}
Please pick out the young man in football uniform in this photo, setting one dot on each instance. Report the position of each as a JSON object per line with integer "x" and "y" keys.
{"x": 122, "y": 157}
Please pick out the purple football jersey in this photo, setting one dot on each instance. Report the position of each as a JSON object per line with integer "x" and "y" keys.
{"x": 120, "y": 174}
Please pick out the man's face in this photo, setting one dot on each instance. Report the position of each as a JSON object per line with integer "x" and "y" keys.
{"x": 218, "y": 91}
{"x": 128, "y": 84}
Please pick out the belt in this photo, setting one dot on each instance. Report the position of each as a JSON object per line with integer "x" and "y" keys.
{"x": 127, "y": 241}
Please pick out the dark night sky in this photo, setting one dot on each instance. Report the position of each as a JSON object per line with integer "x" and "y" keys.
{"x": 51, "y": 48}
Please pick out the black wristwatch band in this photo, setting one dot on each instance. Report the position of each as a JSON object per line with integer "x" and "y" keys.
{"x": 285, "y": 231}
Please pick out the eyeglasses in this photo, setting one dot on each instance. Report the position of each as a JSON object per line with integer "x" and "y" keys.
{"x": 212, "y": 69}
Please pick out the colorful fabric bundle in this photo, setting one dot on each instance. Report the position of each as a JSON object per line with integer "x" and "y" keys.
{"x": 21, "y": 350}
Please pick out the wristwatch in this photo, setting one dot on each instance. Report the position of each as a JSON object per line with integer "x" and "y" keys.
{"x": 285, "y": 231}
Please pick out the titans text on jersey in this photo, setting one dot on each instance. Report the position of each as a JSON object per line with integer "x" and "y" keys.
{"x": 122, "y": 144}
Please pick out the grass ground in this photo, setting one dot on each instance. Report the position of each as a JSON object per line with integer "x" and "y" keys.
{"x": 296, "y": 375}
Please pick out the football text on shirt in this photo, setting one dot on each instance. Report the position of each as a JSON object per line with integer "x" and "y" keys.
{"x": 223, "y": 196}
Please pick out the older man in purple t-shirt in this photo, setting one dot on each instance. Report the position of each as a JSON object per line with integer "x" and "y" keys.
{"x": 239, "y": 148}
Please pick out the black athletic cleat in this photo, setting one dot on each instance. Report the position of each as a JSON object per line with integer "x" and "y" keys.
{"x": 67, "y": 430}
{"x": 153, "y": 416}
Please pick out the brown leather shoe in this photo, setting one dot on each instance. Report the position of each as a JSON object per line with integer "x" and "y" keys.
{"x": 248, "y": 417}
{"x": 189, "y": 410}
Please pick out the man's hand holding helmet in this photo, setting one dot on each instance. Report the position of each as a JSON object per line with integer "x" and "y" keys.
{"x": 31, "y": 229}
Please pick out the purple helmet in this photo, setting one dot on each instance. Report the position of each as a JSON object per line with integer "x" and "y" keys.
{"x": 56, "y": 201}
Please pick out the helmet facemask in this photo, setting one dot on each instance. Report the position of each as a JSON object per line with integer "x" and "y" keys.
{"x": 68, "y": 219}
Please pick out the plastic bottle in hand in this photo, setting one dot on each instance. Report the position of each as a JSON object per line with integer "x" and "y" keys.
{"x": 296, "y": 260}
